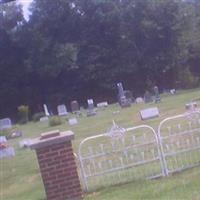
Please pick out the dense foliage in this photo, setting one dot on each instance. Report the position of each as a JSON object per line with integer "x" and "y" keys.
{"x": 76, "y": 49}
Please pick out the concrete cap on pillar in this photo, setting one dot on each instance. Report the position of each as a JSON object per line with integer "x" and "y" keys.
{"x": 50, "y": 138}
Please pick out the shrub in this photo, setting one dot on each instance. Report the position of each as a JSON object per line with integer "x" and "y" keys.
{"x": 36, "y": 117}
{"x": 55, "y": 121}
{"x": 8, "y": 132}
{"x": 23, "y": 114}
{"x": 187, "y": 80}
{"x": 5, "y": 132}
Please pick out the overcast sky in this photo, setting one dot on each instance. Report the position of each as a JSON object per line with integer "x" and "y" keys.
{"x": 25, "y": 4}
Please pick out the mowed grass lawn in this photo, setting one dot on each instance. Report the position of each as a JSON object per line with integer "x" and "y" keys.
{"x": 20, "y": 177}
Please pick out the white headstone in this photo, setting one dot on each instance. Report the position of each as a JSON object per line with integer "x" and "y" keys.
{"x": 191, "y": 106}
{"x": 3, "y": 139}
{"x": 44, "y": 119}
{"x": 62, "y": 110}
{"x": 73, "y": 121}
{"x": 149, "y": 113}
{"x": 102, "y": 104}
{"x": 25, "y": 143}
{"x": 139, "y": 100}
{"x": 46, "y": 110}
{"x": 7, "y": 152}
{"x": 91, "y": 111}
{"x": 5, "y": 123}
{"x": 90, "y": 101}
{"x": 173, "y": 91}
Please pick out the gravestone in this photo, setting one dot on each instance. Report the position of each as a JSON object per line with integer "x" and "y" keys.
{"x": 102, "y": 104}
{"x": 116, "y": 112}
{"x": 62, "y": 110}
{"x": 148, "y": 97}
{"x": 5, "y": 150}
{"x": 149, "y": 113}
{"x": 90, "y": 104}
{"x": 129, "y": 96}
{"x": 44, "y": 119}
{"x": 73, "y": 121}
{"x": 91, "y": 111}
{"x": 5, "y": 123}
{"x": 46, "y": 110}
{"x": 139, "y": 100}
{"x": 191, "y": 106}
{"x": 25, "y": 143}
{"x": 173, "y": 91}
{"x": 75, "y": 106}
{"x": 157, "y": 95}
{"x": 123, "y": 101}
{"x": 3, "y": 139}
{"x": 15, "y": 134}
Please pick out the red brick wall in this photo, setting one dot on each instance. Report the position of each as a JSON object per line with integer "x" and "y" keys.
{"x": 59, "y": 172}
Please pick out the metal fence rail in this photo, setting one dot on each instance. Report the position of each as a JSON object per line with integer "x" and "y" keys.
{"x": 124, "y": 155}
{"x": 179, "y": 139}
{"x": 109, "y": 159}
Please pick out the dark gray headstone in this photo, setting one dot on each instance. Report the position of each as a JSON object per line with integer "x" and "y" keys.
{"x": 157, "y": 95}
{"x": 75, "y": 106}
{"x": 91, "y": 111}
{"x": 90, "y": 104}
{"x": 148, "y": 97}
{"x": 129, "y": 96}
{"x": 122, "y": 99}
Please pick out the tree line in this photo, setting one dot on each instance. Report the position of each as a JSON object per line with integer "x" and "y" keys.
{"x": 79, "y": 49}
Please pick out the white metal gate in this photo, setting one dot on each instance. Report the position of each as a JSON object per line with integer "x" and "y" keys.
{"x": 179, "y": 139}
{"x": 119, "y": 156}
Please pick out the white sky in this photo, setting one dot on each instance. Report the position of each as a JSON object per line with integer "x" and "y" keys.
{"x": 25, "y": 4}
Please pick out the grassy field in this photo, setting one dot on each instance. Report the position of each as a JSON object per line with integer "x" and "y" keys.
{"x": 20, "y": 177}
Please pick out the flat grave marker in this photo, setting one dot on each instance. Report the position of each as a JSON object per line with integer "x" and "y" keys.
{"x": 25, "y": 143}
{"x": 3, "y": 139}
{"x": 139, "y": 100}
{"x": 103, "y": 104}
{"x": 149, "y": 113}
{"x": 73, "y": 121}
{"x": 7, "y": 152}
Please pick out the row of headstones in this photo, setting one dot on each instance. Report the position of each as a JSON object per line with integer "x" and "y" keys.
{"x": 125, "y": 97}
{"x": 75, "y": 108}
{"x": 7, "y": 151}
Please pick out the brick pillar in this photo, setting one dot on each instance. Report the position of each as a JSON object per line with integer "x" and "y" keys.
{"x": 57, "y": 165}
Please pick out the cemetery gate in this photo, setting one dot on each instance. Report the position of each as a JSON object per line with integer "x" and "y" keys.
{"x": 179, "y": 139}
{"x": 120, "y": 156}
